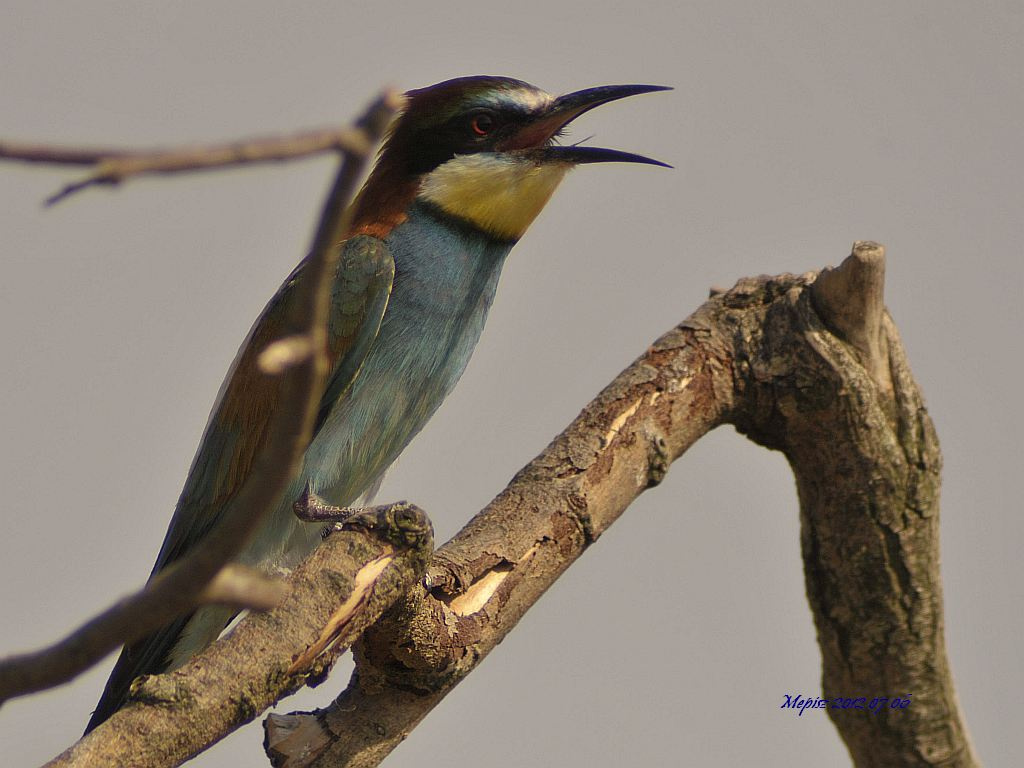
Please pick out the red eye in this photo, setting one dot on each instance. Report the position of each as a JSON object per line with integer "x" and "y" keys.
{"x": 482, "y": 124}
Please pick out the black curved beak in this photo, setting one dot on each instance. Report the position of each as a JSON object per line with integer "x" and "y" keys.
{"x": 572, "y": 105}
{"x": 567, "y": 108}
{"x": 579, "y": 155}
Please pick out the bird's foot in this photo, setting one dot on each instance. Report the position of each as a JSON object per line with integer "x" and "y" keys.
{"x": 310, "y": 508}
{"x": 402, "y": 523}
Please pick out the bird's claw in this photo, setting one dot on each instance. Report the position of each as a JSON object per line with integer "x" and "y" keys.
{"x": 310, "y": 508}
{"x": 402, "y": 523}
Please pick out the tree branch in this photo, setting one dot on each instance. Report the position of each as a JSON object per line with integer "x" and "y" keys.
{"x": 178, "y": 588}
{"x": 112, "y": 166}
{"x": 850, "y": 419}
{"x": 335, "y": 593}
{"x": 484, "y": 580}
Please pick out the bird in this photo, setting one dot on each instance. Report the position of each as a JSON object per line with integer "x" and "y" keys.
{"x": 465, "y": 168}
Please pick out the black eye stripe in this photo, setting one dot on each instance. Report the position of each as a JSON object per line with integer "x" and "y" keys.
{"x": 475, "y": 129}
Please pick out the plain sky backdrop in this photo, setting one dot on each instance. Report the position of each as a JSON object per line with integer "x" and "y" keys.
{"x": 795, "y": 128}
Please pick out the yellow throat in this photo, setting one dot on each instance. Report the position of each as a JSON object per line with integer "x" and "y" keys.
{"x": 499, "y": 193}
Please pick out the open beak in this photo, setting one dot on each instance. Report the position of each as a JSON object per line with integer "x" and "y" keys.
{"x": 538, "y": 132}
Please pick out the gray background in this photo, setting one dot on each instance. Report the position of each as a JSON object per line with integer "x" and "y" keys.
{"x": 795, "y": 128}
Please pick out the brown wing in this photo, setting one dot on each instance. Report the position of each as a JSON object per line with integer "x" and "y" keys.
{"x": 237, "y": 430}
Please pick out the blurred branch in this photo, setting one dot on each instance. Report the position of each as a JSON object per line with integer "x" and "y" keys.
{"x": 112, "y": 166}
{"x": 243, "y": 587}
{"x": 341, "y": 588}
{"x": 179, "y": 588}
{"x": 814, "y": 369}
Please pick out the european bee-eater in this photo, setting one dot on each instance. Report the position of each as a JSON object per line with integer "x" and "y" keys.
{"x": 466, "y": 168}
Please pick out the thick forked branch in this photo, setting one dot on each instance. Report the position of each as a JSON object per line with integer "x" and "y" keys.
{"x": 815, "y": 370}
{"x": 341, "y": 588}
{"x": 180, "y": 587}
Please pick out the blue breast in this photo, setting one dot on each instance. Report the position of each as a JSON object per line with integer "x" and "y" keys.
{"x": 445, "y": 278}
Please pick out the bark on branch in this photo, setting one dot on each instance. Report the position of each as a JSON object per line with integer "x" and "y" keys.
{"x": 810, "y": 365}
{"x": 335, "y": 594}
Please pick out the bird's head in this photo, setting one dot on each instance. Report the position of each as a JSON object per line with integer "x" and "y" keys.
{"x": 481, "y": 150}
